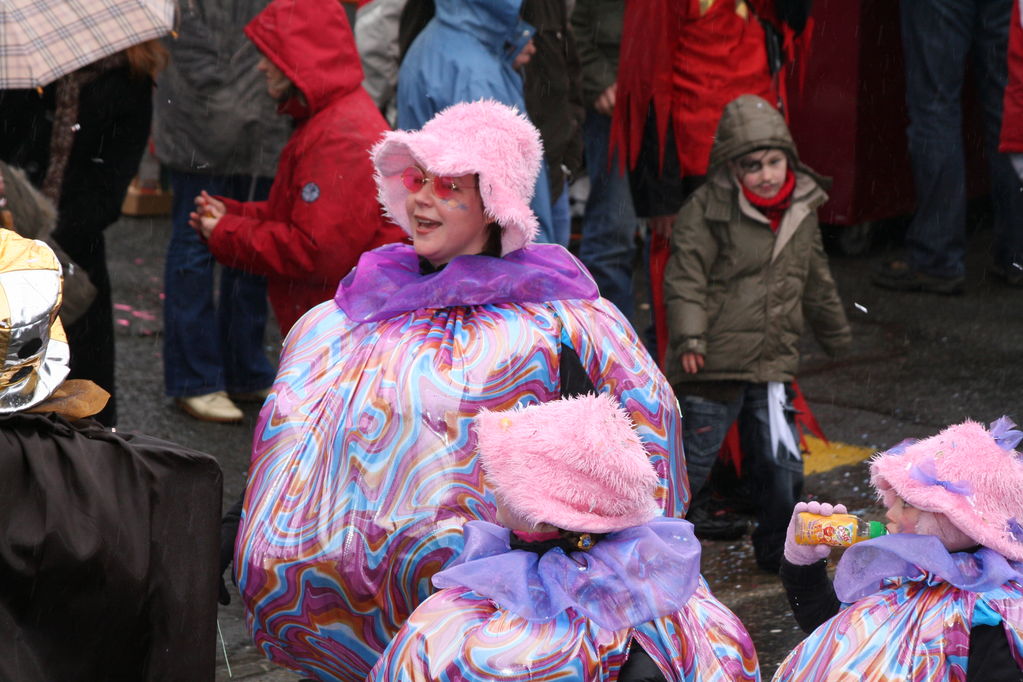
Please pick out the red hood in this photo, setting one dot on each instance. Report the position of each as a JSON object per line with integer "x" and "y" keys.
{"x": 312, "y": 43}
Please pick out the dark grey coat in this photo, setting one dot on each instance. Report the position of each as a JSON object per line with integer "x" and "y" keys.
{"x": 212, "y": 113}
{"x": 598, "y": 33}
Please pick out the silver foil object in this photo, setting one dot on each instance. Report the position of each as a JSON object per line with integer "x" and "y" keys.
{"x": 33, "y": 346}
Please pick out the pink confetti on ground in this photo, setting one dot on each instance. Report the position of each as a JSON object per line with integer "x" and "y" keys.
{"x": 123, "y": 322}
{"x": 162, "y": 296}
{"x": 143, "y": 314}
{"x": 139, "y": 261}
{"x": 122, "y": 306}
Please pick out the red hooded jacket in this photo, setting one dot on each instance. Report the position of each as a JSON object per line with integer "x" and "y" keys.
{"x": 1012, "y": 114}
{"x": 322, "y": 212}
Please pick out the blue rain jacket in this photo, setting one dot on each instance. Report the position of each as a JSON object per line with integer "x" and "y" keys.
{"x": 464, "y": 54}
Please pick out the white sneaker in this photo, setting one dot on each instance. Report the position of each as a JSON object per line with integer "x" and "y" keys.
{"x": 212, "y": 407}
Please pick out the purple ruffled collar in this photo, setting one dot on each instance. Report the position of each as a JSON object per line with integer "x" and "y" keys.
{"x": 865, "y": 566}
{"x": 629, "y": 577}
{"x": 387, "y": 281}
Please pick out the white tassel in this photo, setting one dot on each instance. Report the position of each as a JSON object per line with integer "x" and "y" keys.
{"x": 781, "y": 434}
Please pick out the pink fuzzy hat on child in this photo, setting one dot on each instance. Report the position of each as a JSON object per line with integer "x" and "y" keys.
{"x": 576, "y": 463}
{"x": 484, "y": 137}
{"x": 970, "y": 474}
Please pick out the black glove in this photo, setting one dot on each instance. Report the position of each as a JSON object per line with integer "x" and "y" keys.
{"x": 228, "y": 534}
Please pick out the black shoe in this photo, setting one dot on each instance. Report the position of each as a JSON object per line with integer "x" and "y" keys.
{"x": 1011, "y": 275}
{"x": 897, "y": 275}
{"x": 716, "y": 526}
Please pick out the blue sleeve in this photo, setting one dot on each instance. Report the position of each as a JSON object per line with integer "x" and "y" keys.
{"x": 983, "y": 614}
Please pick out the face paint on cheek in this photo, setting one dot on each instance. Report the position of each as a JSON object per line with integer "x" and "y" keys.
{"x": 454, "y": 204}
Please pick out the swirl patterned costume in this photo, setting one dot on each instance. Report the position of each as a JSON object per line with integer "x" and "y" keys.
{"x": 942, "y": 598}
{"x": 911, "y": 607}
{"x": 363, "y": 469}
{"x": 638, "y": 585}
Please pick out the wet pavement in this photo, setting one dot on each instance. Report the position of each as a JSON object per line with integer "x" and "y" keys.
{"x": 919, "y": 362}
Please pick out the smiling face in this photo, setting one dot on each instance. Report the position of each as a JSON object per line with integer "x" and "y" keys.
{"x": 445, "y": 228}
{"x": 762, "y": 172}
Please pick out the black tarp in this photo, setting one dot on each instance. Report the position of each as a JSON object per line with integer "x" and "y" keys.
{"x": 108, "y": 558}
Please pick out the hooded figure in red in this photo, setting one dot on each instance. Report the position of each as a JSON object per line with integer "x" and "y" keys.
{"x": 322, "y": 212}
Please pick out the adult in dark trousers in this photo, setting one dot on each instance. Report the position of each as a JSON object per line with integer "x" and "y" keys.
{"x": 80, "y": 141}
{"x": 107, "y": 560}
{"x": 608, "y": 246}
{"x": 937, "y": 38}
{"x": 214, "y": 129}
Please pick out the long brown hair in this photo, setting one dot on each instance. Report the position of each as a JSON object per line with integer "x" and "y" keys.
{"x": 147, "y": 59}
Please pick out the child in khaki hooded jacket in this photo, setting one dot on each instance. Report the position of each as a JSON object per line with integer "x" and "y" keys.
{"x": 747, "y": 265}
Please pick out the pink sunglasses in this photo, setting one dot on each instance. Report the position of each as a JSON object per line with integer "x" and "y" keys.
{"x": 444, "y": 186}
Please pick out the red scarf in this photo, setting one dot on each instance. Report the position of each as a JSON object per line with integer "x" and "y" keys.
{"x": 774, "y": 207}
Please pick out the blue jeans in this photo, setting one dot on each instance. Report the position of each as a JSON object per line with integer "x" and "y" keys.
{"x": 211, "y": 345}
{"x": 937, "y": 37}
{"x": 541, "y": 205}
{"x": 608, "y": 246}
{"x": 776, "y": 483}
{"x": 561, "y": 217}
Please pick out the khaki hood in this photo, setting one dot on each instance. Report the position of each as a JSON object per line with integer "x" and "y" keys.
{"x": 749, "y": 123}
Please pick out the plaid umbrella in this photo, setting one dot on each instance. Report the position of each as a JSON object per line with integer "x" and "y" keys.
{"x": 41, "y": 40}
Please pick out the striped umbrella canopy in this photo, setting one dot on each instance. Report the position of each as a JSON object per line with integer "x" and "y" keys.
{"x": 42, "y": 40}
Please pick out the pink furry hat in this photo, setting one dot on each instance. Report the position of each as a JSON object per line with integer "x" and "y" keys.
{"x": 576, "y": 463}
{"x": 970, "y": 474}
{"x": 484, "y": 137}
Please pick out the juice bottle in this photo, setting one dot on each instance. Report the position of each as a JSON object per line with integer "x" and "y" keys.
{"x": 837, "y": 530}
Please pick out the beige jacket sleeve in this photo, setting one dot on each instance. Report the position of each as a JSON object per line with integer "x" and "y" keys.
{"x": 822, "y": 307}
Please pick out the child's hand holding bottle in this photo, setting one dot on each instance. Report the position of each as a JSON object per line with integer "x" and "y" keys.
{"x": 804, "y": 555}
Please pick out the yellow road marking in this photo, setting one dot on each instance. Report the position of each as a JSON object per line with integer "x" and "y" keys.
{"x": 825, "y": 456}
